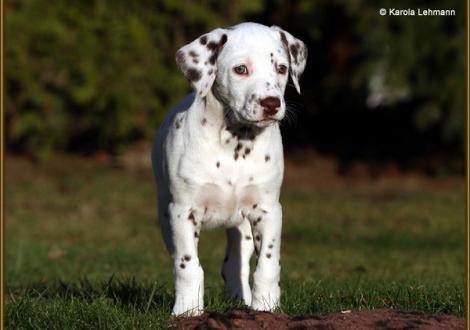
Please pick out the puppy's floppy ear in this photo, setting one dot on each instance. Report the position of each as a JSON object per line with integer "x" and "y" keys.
{"x": 198, "y": 60}
{"x": 297, "y": 52}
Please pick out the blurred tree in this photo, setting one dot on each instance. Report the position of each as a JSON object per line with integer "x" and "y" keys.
{"x": 378, "y": 86}
{"x": 98, "y": 75}
{"x": 93, "y": 75}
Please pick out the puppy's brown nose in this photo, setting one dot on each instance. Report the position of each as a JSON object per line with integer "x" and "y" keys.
{"x": 271, "y": 105}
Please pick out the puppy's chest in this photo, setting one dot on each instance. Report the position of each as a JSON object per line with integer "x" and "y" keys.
{"x": 235, "y": 165}
{"x": 227, "y": 182}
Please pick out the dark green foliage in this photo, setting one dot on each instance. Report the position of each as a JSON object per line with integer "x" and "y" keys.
{"x": 98, "y": 75}
{"x": 94, "y": 75}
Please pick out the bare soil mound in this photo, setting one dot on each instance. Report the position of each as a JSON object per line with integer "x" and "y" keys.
{"x": 377, "y": 319}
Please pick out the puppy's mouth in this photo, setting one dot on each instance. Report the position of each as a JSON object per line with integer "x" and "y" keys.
{"x": 235, "y": 117}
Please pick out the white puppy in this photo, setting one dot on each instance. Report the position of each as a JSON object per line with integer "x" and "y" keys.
{"x": 218, "y": 160}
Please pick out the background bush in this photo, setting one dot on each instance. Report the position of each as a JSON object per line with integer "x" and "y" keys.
{"x": 85, "y": 76}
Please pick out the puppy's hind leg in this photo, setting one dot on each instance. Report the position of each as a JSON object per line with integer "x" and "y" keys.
{"x": 236, "y": 268}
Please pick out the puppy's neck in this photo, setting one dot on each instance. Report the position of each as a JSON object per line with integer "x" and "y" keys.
{"x": 217, "y": 116}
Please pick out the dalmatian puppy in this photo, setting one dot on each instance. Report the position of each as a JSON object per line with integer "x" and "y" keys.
{"x": 218, "y": 160}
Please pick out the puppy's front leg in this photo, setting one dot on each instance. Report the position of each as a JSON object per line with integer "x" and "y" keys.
{"x": 266, "y": 227}
{"x": 189, "y": 276}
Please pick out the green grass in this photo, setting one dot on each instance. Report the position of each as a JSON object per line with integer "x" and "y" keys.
{"x": 83, "y": 249}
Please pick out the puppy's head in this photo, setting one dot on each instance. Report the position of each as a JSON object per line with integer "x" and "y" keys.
{"x": 247, "y": 68}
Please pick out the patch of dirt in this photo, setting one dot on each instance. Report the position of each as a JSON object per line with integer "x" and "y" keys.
{"x": 382, "y": 319}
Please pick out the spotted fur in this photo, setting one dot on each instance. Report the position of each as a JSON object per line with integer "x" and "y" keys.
{"x": 218, "y": 161}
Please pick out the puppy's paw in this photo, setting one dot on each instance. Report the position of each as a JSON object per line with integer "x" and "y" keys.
{"x": 183, "y": 310}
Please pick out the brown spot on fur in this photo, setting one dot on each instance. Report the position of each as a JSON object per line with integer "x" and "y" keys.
{"x": 212, "y": 59}
{"x": 294, "y": 50}
{"x": 193, "y": 74}
{"x": 192, "y": 219}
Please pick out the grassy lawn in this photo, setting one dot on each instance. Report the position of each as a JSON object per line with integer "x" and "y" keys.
{"x": 83, "y": 249}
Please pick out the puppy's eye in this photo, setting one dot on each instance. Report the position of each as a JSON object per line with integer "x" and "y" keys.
{"x": 282, "y": 69}
{"x": 241, "y": 70}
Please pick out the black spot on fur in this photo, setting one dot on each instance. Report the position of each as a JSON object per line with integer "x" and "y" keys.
{"x": 279, "y": 284}
{"x": 258, "y": 238}
{"x": 247, "y": 151}
{"x": 182, "y": 265}
{"x": 267, "y": 158}
{"x": 210, "y": 72}
{"x": 212, "y": 59}
{"x": 248, "y": 237}
{"x": 255, "y": 206}
{"x": 193, "y": 53}
{"x": 270, "y": 246}
{"x": 238, "y": 147}
{"x": 235, "y": 156}
{"x": 223, "y": 40}
{"x": 294, "y": 50}
{"x": 177, "y": 124}
{"x": 212, "y": 46}
{"x": 196, "y": 234}
{"x": 192, "y": 219}
{"x": 217, "y": 164}
{"x": 203, "y": 121}
{"x": 215, "y": 48}
{"x": 187, "y": 257}
{"x": 203, "y": 40}
{"x": 193, "y": 74}
{"x": 268, "y": 255}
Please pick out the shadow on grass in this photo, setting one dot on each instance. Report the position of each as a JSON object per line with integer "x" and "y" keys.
{"x": 124, "y": 293}
{"x": 121, "y": 292}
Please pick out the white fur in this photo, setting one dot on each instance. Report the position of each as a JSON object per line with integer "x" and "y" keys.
{"x": 218, "y": 161}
